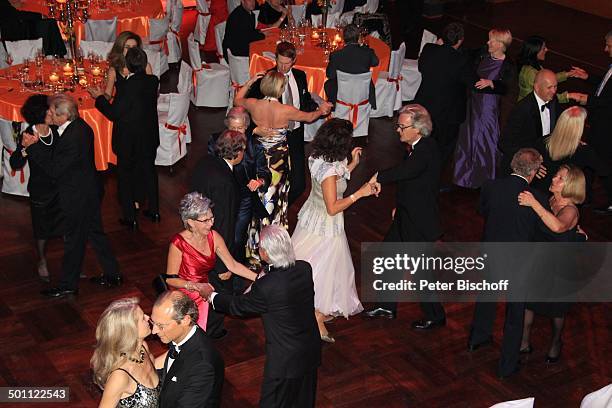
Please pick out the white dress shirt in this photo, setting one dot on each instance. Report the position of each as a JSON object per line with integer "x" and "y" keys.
{"x": 296, "y": 97}
{"x": 544, "y": 115}
{"x": 178, "y": 346}
{"x": 604, "y": 81}
{"x": 60, "y": 130}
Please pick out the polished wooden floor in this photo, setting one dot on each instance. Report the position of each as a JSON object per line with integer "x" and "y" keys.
{"x": 374, "y": 363}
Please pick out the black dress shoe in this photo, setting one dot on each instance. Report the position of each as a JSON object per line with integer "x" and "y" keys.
{"x": 153, "y": 216}
{"x": 59, "y": 292}
{"x": 107, "y": 281}
{"x": 555, "y": 359}
{"x": 503, "y": 376}
{"x": 428, "y": 324}
{"x": 476, "y": 346}
{"x": 526, "y": 350}
{"x": 606, "y": 209}
{"x": 131, "y": 224}
{"x": 220, "y": 335}
{"x": 381, "y": 312}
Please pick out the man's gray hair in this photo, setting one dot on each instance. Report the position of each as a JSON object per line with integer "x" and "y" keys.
{"x": 65, "y": 104}
{"x": 192, "y": 206}
{"x": 182, "y": 305}
{"x": 526, "y": 161}
{"x": 276, "y": 242}
{"x": 238, "y": 113}
{"x": 419, "y": 117}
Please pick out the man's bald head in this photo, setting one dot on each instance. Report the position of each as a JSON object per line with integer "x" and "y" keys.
{"x": 545, "y": 84}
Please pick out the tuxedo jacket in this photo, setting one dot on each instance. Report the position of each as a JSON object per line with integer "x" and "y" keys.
{"x": 284, "y": 298}
{"x": 195, "y": 378}
{"x": 600, "y": 116}
{"x": 307, "y": 104}
{"x": 240, "y": 31}
{"x": 134, "y": 116}
{"x": 352, "y": 59}
{"x": 505, "y": 219}
{"x": 213, "y": 178}
{"x": 446, "y": 72}
{"x": 71, "y": 164}
{"x": 524, "y": 126}
{"x": 417, "y": 177}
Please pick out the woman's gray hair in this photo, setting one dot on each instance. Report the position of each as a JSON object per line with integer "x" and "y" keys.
{"x": 192, "y": 206}
{"x": 238, "y": 113}
{"x": 65, "y": 104}
{"x": 419, "y": 117}
{"x": 182, "y": 305}
{"x": 276, "y": 242}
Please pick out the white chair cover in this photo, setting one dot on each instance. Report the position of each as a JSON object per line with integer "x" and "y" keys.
{"x": 158, "y": 41}
{"x": 352, "y": 101}
{"x": 219, "y": 35}
{"x": 211, "y": 82}
{"x": 174, "y": 128}
{"x": 388, "y": 86}
{"x": 202, "y": 21}
{"x": 154, "y": 58}
{"x": 14, "y": 181}
{"x": 310, "y": 129}
{"x": 371, "y": 6}
{"x": 175, "y": 8}
{"x": 20, "y": 50}
{"x": 239, "y": 74}
{"x": 601, "y": 398}
{"x": 232, "y": 4}
{"x": 3, "y": 63}
{"x": 336, "y": 8}
{"x": 522, "y": 403}
{"x": 101, "y": 30}
{"x": 269, "y": 55}
{"x": 332, "y": 20}
{"x": 411, "y": 77}
{"x": 298, "y": 11}
{"x": 99, "y": 48}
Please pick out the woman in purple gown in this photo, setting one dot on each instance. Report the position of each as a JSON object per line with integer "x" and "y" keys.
{"x": 476, "y": 156}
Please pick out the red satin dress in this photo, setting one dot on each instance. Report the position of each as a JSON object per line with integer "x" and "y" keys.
{"x": 194, "y": 268}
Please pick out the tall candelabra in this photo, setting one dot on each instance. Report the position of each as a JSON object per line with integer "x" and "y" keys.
{"x": 67, "y": 13}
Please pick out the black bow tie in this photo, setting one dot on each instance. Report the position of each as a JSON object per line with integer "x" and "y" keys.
{"x": 172, "y": 351}
{"x": 545, "y": 106}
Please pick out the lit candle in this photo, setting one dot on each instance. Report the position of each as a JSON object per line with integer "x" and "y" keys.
{"x": 67, "y": 67}
{"x": 337, "y": 38}
{"x": 53, "y": 77}
{"x": 61, "y": 1}
{"x": 83, "y": 81}
{"x": 315, "y": 35}
{"x": 96, "y": 71}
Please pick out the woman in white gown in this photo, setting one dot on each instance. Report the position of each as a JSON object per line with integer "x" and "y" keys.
{"x": 319, "y": 236}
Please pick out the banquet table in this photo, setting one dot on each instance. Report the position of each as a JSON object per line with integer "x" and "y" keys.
{"x": 131, "y": 17}
{"x": 312, "y": 60}
{"x": 12, "y": 98}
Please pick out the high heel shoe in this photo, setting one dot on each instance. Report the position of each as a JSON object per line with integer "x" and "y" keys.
{"x": 328, "y": 338}
{"x": 43, "y": 272}
{"x": 526, "y": 350}
{"x": 551, "y": 360}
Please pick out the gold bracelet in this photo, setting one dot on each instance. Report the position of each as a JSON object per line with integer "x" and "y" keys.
{"x": 353, "y": 199}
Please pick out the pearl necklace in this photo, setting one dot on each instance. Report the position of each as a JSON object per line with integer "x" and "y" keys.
{"x": 40, "y": 137}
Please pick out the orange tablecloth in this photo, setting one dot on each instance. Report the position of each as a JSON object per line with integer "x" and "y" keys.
{"x": 312, "y": 61}
{"x": 135, "y": 20}
{"x": 11, "y": 100}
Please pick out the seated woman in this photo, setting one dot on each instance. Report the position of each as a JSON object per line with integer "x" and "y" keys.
{"x": 193, "y": 252}
{"x": 568, "y": 189}
{"x": 122, "y": 364}
{"x": 273, "y": 14}
{"x": 116, "y": 60}
{"x": 44, "y": 199}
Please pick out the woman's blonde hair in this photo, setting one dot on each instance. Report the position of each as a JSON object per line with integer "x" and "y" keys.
{"x": 567, "y": 134}
{"x": 502, "y": 35}
{"x": 574, "y": 185}
{"x": 116, "y": 338}
{"x": 273, "y": 84}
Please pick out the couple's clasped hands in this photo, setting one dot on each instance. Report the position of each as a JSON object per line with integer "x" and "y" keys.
{"x": 204, "y": 289}
{"x": 372, "y": 187}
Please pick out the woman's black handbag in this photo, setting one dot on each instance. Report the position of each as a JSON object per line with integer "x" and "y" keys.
{"x": 159, "y": 283}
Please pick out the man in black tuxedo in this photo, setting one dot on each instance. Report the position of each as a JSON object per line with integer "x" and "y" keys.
{"x": 71, "y": 165}
{"x": 135, "y": 137}
{"x": 284, "y": 297}
{"x": 240, "y": 30}
{"x": 352, "y": 59}
{"x": 507, "y": 221}
{"x": 446, "y": 73}
{"x": 193, "y": 370}
{"x": 415, "y": 217}
{"x": 214, "y": 178}
{"x": 599, "y": 106}
{"x": 296, "y": 94}
{"x": 533, "y": 118}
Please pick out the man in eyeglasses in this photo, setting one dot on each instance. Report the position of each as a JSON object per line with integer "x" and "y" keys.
{"x": 415, "y": 218}
{"x": 192, "y": 371}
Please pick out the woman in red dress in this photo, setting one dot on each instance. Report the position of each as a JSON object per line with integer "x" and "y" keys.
{"x": 193, "y": 253}
{"x": 218, "y": 11}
